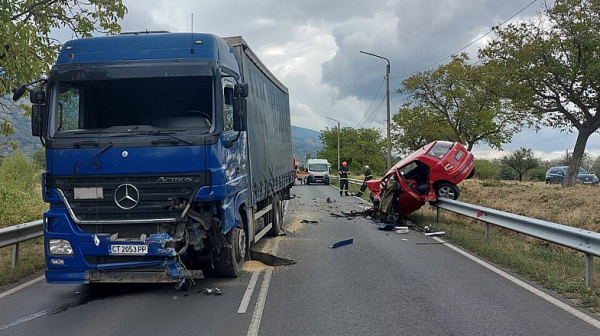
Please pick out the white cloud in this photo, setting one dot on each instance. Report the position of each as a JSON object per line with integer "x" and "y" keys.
{"x": 313, "y": 47}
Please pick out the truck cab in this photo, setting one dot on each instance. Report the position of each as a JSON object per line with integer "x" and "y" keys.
{"x": 149, "y": 158}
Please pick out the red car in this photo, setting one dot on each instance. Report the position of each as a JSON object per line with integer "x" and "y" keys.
{"x": 431, "y": 172}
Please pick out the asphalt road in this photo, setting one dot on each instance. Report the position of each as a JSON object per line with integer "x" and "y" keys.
{"x": 384, "y": 283}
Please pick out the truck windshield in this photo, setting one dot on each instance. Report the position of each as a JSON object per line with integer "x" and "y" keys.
{"x": 177, "y": 104}
{"x": 318, "y": 167}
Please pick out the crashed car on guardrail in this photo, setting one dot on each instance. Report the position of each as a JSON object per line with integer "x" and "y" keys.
{"x": 425, "y": 175}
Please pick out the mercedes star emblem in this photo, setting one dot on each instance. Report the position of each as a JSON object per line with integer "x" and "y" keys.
{"x": 127, "y": 196}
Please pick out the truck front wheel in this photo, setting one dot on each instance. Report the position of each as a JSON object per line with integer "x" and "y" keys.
{"x": 230, "y": 262}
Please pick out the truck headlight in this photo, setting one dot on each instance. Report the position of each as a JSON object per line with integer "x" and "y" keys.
{"x": 59, "y": 247}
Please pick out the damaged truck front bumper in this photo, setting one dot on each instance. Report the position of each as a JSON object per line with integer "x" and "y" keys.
{"x": 101, "y": 258}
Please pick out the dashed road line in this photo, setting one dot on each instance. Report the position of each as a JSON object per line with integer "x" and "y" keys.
{"x": 248, "y": 294}
{"x": 264, "y": 289}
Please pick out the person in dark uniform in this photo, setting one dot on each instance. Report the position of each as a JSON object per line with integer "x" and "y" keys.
{"x": 368, "y": 177}
{"x": 344, "y": 179}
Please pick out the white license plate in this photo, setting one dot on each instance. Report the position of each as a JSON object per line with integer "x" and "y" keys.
{"x": 129, "y": 249}
{"x": 88, "y": 193}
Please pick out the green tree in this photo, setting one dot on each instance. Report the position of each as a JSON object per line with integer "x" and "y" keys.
{"x": 596, "y": 165}
{"x": 455, "y": 102}
{"x": 358, "y": 147}
{"x": 521, "y": 161}
{"x": 551, "y": 67}
{"x": 27, "y": 49}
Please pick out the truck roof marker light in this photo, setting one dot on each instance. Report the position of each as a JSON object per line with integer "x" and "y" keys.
{"x": 69, "y": 48}
{"x": 198, "y": 42}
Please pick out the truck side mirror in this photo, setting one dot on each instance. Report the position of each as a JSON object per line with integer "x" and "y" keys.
{"x": 239, "y": 114}
{"x": 38, "y": 112}
{"x": 19, "y": 92}
{"x": 37, "y": 97}
{"x": 241, "y": 90}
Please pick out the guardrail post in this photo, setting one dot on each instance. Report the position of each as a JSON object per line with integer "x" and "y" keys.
{"x": 437, "y": 214}
{"x": 589, "y": 271}
{"x": 15, "y": 255}
{"x": 488, "y": 227}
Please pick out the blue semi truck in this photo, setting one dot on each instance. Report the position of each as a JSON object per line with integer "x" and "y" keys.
{"x": 162, "y": 149}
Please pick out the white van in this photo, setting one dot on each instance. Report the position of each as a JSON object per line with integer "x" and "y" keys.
{"x": 318, "y": 171}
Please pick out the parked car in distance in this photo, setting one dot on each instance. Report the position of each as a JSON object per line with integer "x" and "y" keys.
{"x": 557, "y": 175}
{"x": 427, "y": 174}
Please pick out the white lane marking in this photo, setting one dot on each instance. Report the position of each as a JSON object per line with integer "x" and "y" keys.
{"x": 526, "y": 286}
{"x": 262, "y": 295}
{"x": 252, "y": 284}
{"x": 24, "y": 319}
{"x": 248, "y": 294}
{"x": 19, "y": 287}
{"x": 260, "y": 304}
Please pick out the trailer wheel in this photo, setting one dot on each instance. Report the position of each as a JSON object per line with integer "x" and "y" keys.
{"x": 276, "y": 217}
{"x": 230, "y": 262}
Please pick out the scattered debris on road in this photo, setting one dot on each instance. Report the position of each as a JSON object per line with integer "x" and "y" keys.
{"x": 342, "y": 243}
{"x": 401, "y": 229}
{"x": 306, "y": 221}
{"x": 217, "y": 291}
{"x": 434, "y": 234}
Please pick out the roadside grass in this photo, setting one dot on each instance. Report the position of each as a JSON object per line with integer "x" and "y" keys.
{"x": 20, "y": 202}
{"x": 31, "y": 260}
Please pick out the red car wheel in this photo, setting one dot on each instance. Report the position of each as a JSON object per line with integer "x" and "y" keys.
{"x": 447, "y": 190}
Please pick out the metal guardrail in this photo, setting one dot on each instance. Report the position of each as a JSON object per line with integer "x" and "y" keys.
{"x": 13, "y": 235}
{"x": 581, "y": 240}
{"x": 353, "y": 181}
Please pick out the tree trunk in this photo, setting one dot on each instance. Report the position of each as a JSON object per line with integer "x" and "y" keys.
{"x": 520, "y": 177}
{"x": 576, "y": 158}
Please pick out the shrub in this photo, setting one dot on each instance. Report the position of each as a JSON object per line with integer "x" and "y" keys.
{"x": 485, "y": 169}
{"x": 20, "y": 198}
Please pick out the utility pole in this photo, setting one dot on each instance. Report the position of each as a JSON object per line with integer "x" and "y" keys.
{"x": 389, "y": 127}
{"x": 338, "y": 131}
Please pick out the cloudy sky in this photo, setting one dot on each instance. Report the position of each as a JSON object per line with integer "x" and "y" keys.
{"x": 313, "y": 47}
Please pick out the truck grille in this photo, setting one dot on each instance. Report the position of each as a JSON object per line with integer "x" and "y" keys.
{"x": 155, "y": 200}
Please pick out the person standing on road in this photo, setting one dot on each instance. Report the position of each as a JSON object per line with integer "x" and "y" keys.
{"x": 368, "y": 177}
{"x": 343, "y": 179}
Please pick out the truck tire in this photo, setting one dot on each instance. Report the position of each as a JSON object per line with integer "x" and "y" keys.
{"x": 230, "y": 262}
{"x": 276, "y": 217}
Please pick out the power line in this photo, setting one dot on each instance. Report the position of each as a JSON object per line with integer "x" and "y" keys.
{"x": 363, "y": 117}
{"x": 375, "y": 112}
{"x": 468, "y": 45}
